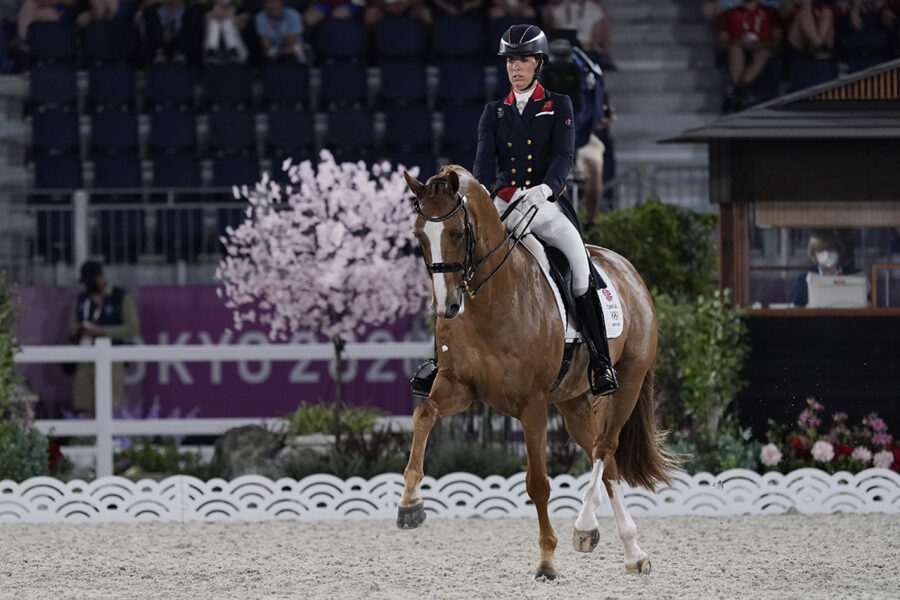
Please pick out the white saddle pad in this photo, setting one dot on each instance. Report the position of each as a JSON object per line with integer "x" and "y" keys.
{"x": 609, "y": 297}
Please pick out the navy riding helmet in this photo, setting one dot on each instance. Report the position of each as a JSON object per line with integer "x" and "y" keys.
{"x": 525, "y": 40}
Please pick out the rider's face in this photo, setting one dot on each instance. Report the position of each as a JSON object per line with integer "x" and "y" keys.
{"x": 521, "y": 71}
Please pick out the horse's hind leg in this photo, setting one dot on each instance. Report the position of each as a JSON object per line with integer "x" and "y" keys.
{"x": 636, "y": 560}
{"x": 447, "y": 398}
{"x": 534, "y": 428}
{"x": 581, "y": 425}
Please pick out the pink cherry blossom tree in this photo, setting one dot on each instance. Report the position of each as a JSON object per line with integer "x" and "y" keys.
{"x": 333, "y": 252}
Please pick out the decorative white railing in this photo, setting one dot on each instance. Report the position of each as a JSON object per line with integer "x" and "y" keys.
{"x": 321, "y": 497}
{"x": 103, "y": 354}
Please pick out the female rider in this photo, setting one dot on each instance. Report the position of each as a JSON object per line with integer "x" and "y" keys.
{"x": 526, "y": 145}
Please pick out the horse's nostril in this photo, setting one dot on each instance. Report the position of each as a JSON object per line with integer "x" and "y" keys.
{"x": 452, "y": 311}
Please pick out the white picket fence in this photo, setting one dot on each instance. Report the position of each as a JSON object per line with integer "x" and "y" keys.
{"x": 321, "y": 497}
{"x": 104, "y": 426}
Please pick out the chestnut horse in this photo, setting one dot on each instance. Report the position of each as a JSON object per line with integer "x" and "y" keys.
{"x": 501, "y": 341}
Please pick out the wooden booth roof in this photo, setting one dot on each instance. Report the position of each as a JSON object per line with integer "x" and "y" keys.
{"x": 863, "y": 105}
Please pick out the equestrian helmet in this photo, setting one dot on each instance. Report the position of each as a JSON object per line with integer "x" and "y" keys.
{"x": 525, "y": 40}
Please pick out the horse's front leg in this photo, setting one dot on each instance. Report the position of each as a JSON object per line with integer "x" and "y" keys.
{"x": 448, "y": 397}
{"x": 534, "y": 428}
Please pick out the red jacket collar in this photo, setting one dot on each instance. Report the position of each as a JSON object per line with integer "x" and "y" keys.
{"x": 537, "y": 94}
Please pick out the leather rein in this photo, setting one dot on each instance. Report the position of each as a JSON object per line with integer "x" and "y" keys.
{"x": 469, "y": 266}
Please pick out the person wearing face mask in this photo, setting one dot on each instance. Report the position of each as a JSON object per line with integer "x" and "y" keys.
{"x": 100, "y": 310}
{"x": 526, "y": 147}
{"x": 826, "y": 250}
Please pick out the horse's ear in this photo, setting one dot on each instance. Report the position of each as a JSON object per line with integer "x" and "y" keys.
{"x": 453, "y": 180}
{"x": 414, "y": 184}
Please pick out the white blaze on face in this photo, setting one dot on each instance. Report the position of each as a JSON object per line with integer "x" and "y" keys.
{"x": 434, "y": 232}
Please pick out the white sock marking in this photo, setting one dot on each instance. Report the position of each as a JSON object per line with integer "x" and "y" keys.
{"x": 593, "y": 497}
{"x": 625, "y": 525}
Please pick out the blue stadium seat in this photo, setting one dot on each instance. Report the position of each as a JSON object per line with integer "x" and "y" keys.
{"x": 408, "y": 128}
{"x": 861, "y": 64}
{"x": 807, "y": 71}
{"x": 179, "y": 231}
{"x": 400, "y": 37}
{"x": 232, "y": 131}
{"x": 285, "y": 84}
{"x": 424, "y": 160}
{"x": 54, "y": 228}
{"x": 53, "y": 86}
{"x": 114, "y": 133}
{"x": 55, "y": 132}
{"x": 350, "y": 132}
{"x": 344, "y": 84}
{"x": 228, "y": 85}
{"x": 108, "y": 41}
{"x": 341, "y": 38}
{"x": 173, "y": 132}
{"x": 230, "y": 171}
{"x": 290, "y": 132}
{"x": 111, "y": 87}
{"x": 460, "y": 81}
{"x": 403, "y": 82}
{"x": 458, "y": 36}
{"x": 52, "y": 42}
{"x": 57, "y": 172}
{"x": 461, "y": 127}
{"x": 169, "y": 86}
{"x": 120, "y": 232}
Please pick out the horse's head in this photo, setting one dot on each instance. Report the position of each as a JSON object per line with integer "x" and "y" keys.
{"x": 445, "y": 230}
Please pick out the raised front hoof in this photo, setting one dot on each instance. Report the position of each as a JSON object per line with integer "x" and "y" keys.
{"x": 586, "y": 541}
{"x": 545, "y": 574}
{"x": 641, "y": 567}
{"x": 410, "y": 517}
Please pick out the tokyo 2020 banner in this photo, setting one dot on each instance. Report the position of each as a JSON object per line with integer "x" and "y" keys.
{"x": 188, "y": 315}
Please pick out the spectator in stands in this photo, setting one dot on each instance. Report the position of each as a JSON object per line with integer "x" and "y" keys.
{"x": 223, "y": 33}
{"x": 100, "y": 311}
{"x": 172, "y": 32}
{"x": 864, "y": 30}
{"x": 747, "y": 32}
{"x": 501, "y": 9}
{"x": 588, "y": 19}
{"x": 280, "y": 30}
{"x": 335, "y": 9}
{"x": 112, "y": 10}
{"x": 416, "y": 9}
{"x": 457, "y": 8}
{"x": 572, "y": 73}
{"x": 810, "y": 27}
{"x": 826, "y": 249}
{"x": 33, "y": 11}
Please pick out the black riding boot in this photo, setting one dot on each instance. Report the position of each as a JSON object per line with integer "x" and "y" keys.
{"x": 590, "y": 316}
{"x": 423, "y": 379}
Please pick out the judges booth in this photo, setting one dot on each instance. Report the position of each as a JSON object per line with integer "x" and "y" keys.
{"x": 824, "y": 161}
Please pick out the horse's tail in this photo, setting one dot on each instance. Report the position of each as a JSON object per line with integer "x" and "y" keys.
{"x": 641, "y": 458}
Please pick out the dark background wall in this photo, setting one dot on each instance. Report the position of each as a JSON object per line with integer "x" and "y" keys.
{"x": 849, "y": 364}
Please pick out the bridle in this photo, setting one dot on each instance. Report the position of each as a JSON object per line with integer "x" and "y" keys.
{"x": 469, "y": 266}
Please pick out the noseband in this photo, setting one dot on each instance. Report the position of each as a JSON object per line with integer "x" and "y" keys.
{"x": 469, "y": 266}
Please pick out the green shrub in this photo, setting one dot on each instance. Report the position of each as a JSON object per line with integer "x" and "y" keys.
{"x": 23, "y": 452}
{"x": 9, "y": 344}
{"x": 317, "y": 418}
{"x": 734, "y": 448}
{"x": 160, "y": 456}
{"x": 354, "y": 455}
{"x": 702, "y": 350}
{"x": 475, "y": 458}
{"x": 673, "y": 248}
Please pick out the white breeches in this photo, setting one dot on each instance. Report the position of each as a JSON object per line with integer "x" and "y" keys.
{"x": 553, "y": 227}
{"x": 225, "y": 31}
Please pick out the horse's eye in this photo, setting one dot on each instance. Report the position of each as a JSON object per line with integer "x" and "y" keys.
{"x": 459, "y": 235}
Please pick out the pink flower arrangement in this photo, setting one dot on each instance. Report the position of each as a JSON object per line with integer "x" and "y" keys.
{"x": 770, "y": 455}
{"x": 835, "y": 448}
{"x": 822, "y": 451}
